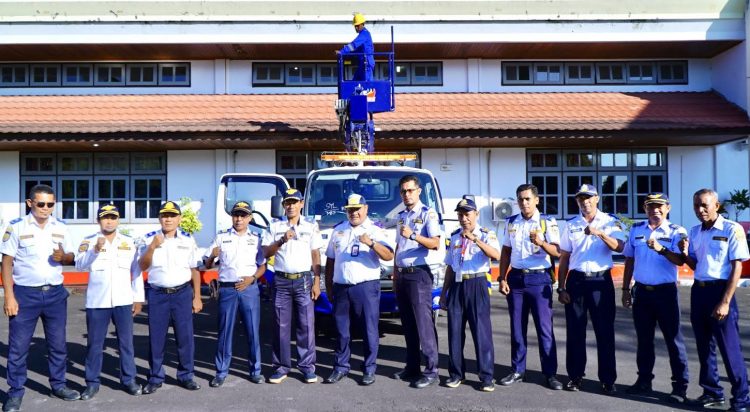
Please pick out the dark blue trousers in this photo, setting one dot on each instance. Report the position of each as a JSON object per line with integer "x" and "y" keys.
{"x": 531, "y": 292}
{"x": 710, "y": 333}
{"x": 97, "y": 323}
{"x": 52, "y": 307}
{"x": 248, "y": 303}
{"x": 469, "y": 301}
{"x": 362, "y": 302}
{"x": 594, "y": 296}
{"x": 293, "y": 296}
{"x": 175, "y": 309}
{"x": 414, "y": 300}
{"x": 660, "y": 305}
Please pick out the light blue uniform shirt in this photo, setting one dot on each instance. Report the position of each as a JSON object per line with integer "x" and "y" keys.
{"x": 424, "y": 222}
{"x": 31, "y": 248}
{"x": 589, "y": 253}
{"x": 524, "y": 254}
{"x": 465, "y": 256}
{"x": 355, "y": 261}
{"x": 295, "y": 255}
{"x": 649, "y": 267}
{"x": 714, "y": 249}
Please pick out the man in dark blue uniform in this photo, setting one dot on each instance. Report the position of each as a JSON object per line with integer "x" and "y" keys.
{"x": 361, "y": 46}
{"x": 34, "y": 250}
{"x": 417, "y": 243}
{"x": 530, "y": 239}
{"x": 652, "y": 256}
{"x": 715, "y": 250}
{"x": 586, "y": 247}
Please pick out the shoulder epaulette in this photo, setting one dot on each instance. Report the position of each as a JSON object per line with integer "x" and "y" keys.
{"x": 674, "y": 226}
{"x": 614, "y": 216}
{"x": 149, "y": 234}
{"x": 511, "y": 219}
{"x": 484, "y": 230}
{"x": 455, "y": 232}
{"x": 276, "y": 219}
{"x": 184, "y": 233}
{"x": 425, "y": 208}
{"x": 571, "y": 218}
{"x": 16, "y": 220}
{"x": 339, "y": 223}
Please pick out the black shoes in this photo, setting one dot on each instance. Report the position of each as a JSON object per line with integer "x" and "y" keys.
{"x": 707, "y": 400}
{"x": 487, "y": 386}
{"x": 404, "y": 375}
{"x": 367, "y": 380}
{"x": 677, "y": 397}
{"x": 574, "y": 384}
{"x": 512, "y": 378}
{"x": 334, "y": 377}
{"x": 639, "y": 388}
{"x": 608, "y": 388}
{"x": 216, "y": 382}
{"x": 66, "y": 394}
{"x": 189, "y": 384}
{"x": 257, "y": 379}
{"x": 424, "y": 382}
{"x": 151, "y": 388}
{"x": 553, "y": 383}
{"x": 13, "y": 404}
{"x": 133, "y": 389}
{"x": 89, "y": 393}
{"x": 454, "y": 382}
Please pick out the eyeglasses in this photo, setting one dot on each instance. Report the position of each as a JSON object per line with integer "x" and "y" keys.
{"x": 240, "y": 215}
{"x": 409, "y": 191}
{"x": 49, "y": 205}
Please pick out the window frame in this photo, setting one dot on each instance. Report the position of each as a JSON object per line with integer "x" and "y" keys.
{"x": 567, "y": 195}
{"x": 62, "y": 156}
{"x": 27, "y": 75}
{"x": 543, "y": 196}
{"x": 614, "y": 172}
{"x": 641, "y": 65}
{"x": 610, "y": 65}
{"x": 561, "y": 73}
{"x": 51, "y": 156}
{"x": 638, "y": 211}
{"x": 516, "y": 65}
{"x": 174, "y": 66}
{"x": 268, "y": 82}
{"x": 672, "y": 64}
{"x": 133, "y": 199}
{"x": 580, "y": 80}
{"x": 134, "y": 156}
{"x": 319, "y": 76}
{"x": 301, "y": 82}
{"x": 59, "y": 200}
{"x": 45, "y": 83}
{"x": 426, "y": 65}
{"x": 78, "y": 67}
{"x": 110, "y": 67}
{"x": 97, "y": 196}
{"x": 142, "y": 66}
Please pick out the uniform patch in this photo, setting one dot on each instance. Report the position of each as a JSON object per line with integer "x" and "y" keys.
{"x": 432, "y": 216}
{"x": 23, "y": 237}
{"x": 640, "y": 237}
{"x": 57, "y": 235}
{"x": 418, "y": 221}
{"x": 84, "y": 247}
{"x": 6, "y": 236}
{"x": 721, "y": 238}
{"x": 739, "y": 232}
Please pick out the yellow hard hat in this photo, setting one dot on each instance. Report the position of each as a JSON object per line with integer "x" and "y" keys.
{"x": 358, "y": 19}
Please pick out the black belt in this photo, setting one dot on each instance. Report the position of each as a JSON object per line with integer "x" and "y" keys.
{"x": 468, "y": 276}
{"x": 228, "y": 284}
{"x": 291, "y": 276}
{"x": 709, "y": 283}
{"x": 414, "y": 269}
{"x": 591, "y": 274}
{"x": 652, "y": 288}
{"x": 530, "y": 271}
{"x": 170, "y": 291}
{"x": 42, "y": 288}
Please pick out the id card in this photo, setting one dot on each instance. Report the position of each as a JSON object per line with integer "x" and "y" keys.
{"x": 355, "y": 250}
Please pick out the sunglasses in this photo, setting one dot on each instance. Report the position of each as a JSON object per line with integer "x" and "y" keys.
{"x": 240, "y": 215}
{"x": 49, "y": 205}
{"x": 409, "y": 191}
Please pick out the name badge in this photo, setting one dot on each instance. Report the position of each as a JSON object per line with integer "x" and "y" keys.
{"x": 639, "y": 237}
{"x": 355, "y": 250}
{"x": 576, "y": 229}
{"x": 418, "y": 221}
{"x": 721, "y": 238}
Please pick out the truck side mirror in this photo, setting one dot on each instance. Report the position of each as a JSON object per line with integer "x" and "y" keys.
{"x": 277, "y": 211}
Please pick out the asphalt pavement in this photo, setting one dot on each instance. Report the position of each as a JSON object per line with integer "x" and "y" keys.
{"x": 238, "y": 393}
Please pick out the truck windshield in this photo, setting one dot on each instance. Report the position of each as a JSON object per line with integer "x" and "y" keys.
{"x": 327, "y": 191}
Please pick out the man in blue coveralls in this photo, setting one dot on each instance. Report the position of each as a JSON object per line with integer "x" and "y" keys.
{"x": 363, "y": 48}
{"x": 715, "y": 250}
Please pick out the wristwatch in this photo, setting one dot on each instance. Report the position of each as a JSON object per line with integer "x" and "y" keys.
{"x": 560, "y": 290}
{"x": 413, "y": 236}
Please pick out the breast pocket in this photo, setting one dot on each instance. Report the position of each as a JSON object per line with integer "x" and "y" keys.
{"x": 125, "y": 260}
{"x": 27, "y": 247}
{"x": 718, "y": 249}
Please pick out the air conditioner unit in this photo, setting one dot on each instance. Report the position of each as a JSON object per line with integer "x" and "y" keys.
{"x": 503, "y": 208}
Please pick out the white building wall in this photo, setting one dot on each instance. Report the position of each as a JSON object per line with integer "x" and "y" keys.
{"x": 729, "y": 74}
{"x": 10, "y": 197}
{"x": 191, "y": 173}
{"x": 688, "y": 169}
{"x": 732, "y": 171}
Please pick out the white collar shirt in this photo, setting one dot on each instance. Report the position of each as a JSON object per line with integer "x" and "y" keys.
{"x": 295, "y": 255}
{"x": 524, "y": 254}
{"x": 465, "y": 256}
{"x": 114, "y": 274}
{"x": 649, "y": 267}
{"x": 424, "y": 222}
{"x": 31, "y": 247}
{"x": 173, "y": 261}
{"x": 355, "y": 262}
{"x": 239, "y": 255}
{"x": 589, "y": 253}
{"x": 715, "y": 248}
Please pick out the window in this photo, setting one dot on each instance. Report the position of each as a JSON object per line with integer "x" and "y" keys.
{"x": 673, "y": 72}
{"x": 402, "y": 73}
{"x": 45, "y": 75}
{"x": 327, "y": 75}
{"x": 623, "y": 178}
{"x": 610, "y": 73}
{"x": 268, "y": 74}
{"x": 641, "y": 72}
{"x": 141, "y": 74}
{"x": 110, "y": 75}
{"x": 517, "y": 73}
{"x": 548, "y": 73}
{"x": 77, "y": 75}
{"x": 28, "y": 182}
{"x": 300, "y": 74}
{"x": 579, "y": 73}
{"x": 294, "y": 166}
{"x": 13, "y": 75}
{"x": 174, "y": 74}
{"x": 424, "y": 74}
{"x": 135, "y": 182}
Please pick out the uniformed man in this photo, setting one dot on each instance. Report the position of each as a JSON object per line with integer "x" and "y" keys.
{"x": 530, "y": 239}
{"x": 240, "y": 253}
{"x": 114, "y": 292}
{"x": 363, "y": 47}
{"x": 652, "y": 257}
{"x": 418, "y": 240}
{"x": 34, "y": 250}
{"x": 586, "y": 247}
{"x": 170, "y": 256}
{"x": 466, "y": 297}
{"x": 353, "y": 283}
{"x": 295, "y": 242}
{"x": 715, "y": 251}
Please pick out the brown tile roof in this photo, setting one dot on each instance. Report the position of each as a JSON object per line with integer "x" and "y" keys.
{"x": 270, "y": 114}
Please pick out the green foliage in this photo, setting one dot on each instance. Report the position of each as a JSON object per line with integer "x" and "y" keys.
{"x": 125, "y": 230}
{"x": 627, "y": 223}
{"x": 190, "y": 222}
{"x": 740, "y": 201}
